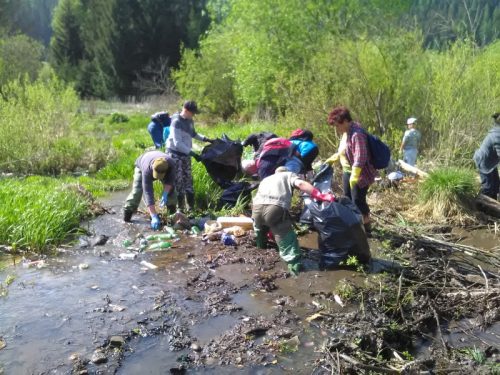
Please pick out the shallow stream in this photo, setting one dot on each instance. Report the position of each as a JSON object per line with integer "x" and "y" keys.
{"x": 54, "y": 318}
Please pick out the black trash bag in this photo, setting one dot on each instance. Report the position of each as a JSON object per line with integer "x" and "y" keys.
{"x": 323, "y": 182}
{"x": 237, "y": 190}
{"x": 340, "y": 231}
{"x": 222, "y": 159}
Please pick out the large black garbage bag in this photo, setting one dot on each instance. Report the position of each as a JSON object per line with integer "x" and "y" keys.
{"x": 222, "y": 159}
{"x": 237, "y": 190}
{"x": 340, "y": 231}
{"x": 323, "y": 182}
{"x": 339, "y": 224}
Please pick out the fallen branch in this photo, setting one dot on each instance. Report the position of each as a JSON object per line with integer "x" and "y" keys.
{"x": 488, "y": 205}
{"x": 411, "y": 169}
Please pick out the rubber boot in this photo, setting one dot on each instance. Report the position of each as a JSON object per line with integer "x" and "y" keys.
{"x": 127, "y": 216}
{"x": 290, "y": 251}
{"x": 260, "y": 238}
{"x": 190, "y": 201}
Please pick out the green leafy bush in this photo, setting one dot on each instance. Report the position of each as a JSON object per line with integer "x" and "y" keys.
{"x": 118, "y": 118}
{"x": 40, "y": 132}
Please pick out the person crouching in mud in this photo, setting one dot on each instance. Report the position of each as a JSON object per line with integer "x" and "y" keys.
{"x": 270, "y": 211}
{"x": 150, "y": 166}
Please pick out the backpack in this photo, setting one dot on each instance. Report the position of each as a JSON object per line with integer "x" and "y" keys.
{"x": 379, "y": 151}
{"x": 275, "y": 152}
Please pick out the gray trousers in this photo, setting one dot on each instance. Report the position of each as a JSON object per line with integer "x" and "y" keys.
{"x": 134, "y": 198}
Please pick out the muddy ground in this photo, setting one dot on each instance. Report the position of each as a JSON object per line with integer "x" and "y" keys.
{"x": 213, "y": 309}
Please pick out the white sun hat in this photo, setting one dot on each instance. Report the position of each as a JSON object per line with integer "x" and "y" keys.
{"x": 411, "y": 120}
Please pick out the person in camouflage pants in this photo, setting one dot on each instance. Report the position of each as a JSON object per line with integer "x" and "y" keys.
{"x": 179, "y": 147}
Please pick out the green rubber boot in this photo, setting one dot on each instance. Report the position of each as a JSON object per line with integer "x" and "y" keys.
{"x": 289, "y": 248}
{"x": 260, "y": 238}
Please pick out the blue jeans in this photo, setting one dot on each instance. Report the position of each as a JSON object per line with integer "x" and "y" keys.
{"x": 410, "y": 156}
{"x": 294, "y": 164}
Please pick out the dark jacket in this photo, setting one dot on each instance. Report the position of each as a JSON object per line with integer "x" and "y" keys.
{"x": 145, "y": 164}
{"x": 487, "y": 156}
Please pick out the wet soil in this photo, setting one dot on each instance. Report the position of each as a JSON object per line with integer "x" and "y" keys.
{"x": 213, "y": 309}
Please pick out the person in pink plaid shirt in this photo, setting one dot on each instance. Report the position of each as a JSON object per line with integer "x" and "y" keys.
{"x": 362, "y": 174}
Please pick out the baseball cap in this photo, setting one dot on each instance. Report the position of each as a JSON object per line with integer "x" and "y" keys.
{"x": 160, "y": 168}
{"x": 411, "y": 120}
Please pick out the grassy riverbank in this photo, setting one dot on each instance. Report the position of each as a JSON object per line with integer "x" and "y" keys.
{"x": 42, "y": 212}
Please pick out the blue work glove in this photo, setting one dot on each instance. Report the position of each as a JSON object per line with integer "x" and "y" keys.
{"x": 164, "y": 199}
{"x": 155, "y": 222}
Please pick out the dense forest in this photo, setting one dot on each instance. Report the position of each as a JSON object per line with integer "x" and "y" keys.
{"x": 287, "y": 60}
{"x": 126, "y": 47}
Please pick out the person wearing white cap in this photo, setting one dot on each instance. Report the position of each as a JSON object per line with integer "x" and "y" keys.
{"x": 409, "y": 145}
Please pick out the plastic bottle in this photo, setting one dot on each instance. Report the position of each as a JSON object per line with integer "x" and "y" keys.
{"x": 170, "y": 230}
{"x": 127, "y": 243}
{"x": 165, "y": 236}
{"x": 195, "y": 230}
{"x": 160, "y": 245}
{"x": 125, "y": 256}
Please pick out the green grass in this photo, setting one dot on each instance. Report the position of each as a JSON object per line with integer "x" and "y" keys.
{"x": 448, "y": 184}
{"x": 37, "y": 213}
{"x": 448, "y": 194}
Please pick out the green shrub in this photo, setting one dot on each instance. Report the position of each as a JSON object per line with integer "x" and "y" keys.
{"x": 116, "y": 118}
{"x": 40, "y": 132}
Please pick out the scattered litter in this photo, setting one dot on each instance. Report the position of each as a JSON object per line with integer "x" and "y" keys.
{"x": 157, "y": 237}
{"x": 215, "y": 236}
{"x": 314, "y": 317}
{"x": 143, "y": 244}
{"x": 126, "y": 256}
{"x": 159, "y": 246}
{"x": 83, "y": 266}
{"x": 212, "y": 226}
{"x": 116, "y": 307}
{"x": 195, "y": 230}
{"x": 337, "y": 299}
{"x": 127, "y": 243}
{"x": 151, "y": 266}
{"x": 395, "y": 176}
{"x": 241, "y": 221}
{"x": 36, "y": 263}
{"x": 3, "y": 344}
{"x": 94, "y": 287}
{"x": 228, "y": 239}
{"x": 236, "y": 230}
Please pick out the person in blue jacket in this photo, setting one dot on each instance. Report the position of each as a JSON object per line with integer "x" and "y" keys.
{"x": 306, "y": 148}
{"x": 156, "y": 128}
{"x": 487, "y": 158}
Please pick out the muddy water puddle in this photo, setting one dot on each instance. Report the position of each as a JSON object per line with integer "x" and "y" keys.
{"x": 238, "y": 307}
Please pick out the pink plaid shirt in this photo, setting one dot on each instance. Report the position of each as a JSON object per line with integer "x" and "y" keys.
{"x": 358, "y": 154}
